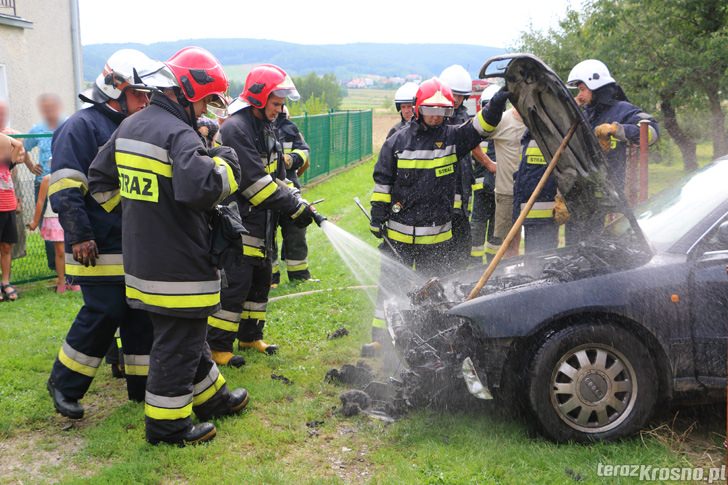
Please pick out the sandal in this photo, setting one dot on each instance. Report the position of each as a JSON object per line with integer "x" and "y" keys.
{"x": 9, "y": 293}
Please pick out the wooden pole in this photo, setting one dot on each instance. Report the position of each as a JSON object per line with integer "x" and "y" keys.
{"x": 524, "y": 212}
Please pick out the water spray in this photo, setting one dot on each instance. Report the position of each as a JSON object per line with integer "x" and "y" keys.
{"x": 384, "y": 236}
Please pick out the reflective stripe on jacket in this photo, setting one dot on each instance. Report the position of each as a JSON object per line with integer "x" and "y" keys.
{"x": 167, "y": 181}
{"x": 261, "y": 161}
{"x": 532, "y": 167}
{"x": 416, "y": 179}
{"x": 75, "y": 144}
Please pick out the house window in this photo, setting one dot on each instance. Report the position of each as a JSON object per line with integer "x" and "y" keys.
{"x": 9, "y": 15}
{"x": 8, "y": 6}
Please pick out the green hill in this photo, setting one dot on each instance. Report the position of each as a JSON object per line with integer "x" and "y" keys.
{"x": 344, "y": 60}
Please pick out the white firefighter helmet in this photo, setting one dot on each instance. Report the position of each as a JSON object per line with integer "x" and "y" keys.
{"x": 119, "y": 74}
{"x": 488, "y": 93}
{"x": 405, "y": 94}
{"x": 457, "y": 79}
{"x": 591, "y": 72}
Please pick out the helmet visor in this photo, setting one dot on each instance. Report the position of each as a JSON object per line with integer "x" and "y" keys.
{"x": 290, "y": 93}
{"x": 437, "y": 110}
{"x": 216, "y": 106}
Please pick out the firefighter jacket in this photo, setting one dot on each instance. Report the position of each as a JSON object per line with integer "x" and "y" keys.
{"x": 532, "y": 167}
{"x": 168, "y": 182}
{"x": 465, "y": 165}
{"x": 398, "y": 126}
{"x": 294, "y": 145}
{"x": 261, "y": 163}
{"x": 482, "y": 178}
{"x": 74, "y": 146}
{"x": 606, "y": 108}
{"x": 416, "y": 181}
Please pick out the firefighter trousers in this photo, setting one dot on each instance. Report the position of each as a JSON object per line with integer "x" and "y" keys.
{"x": 428, "y": 260}
{"x": 482, "y": 223}
{"x": 460, "y": 243}
{"x": 294, "y": 252}
{"x": 541, "y": 236}
{"x": 243, "y": 304}
{"x": 182, "y": 379}
{"x": 92, "y": 332}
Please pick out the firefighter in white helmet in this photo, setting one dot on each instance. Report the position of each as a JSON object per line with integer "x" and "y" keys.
{"x": 404, "y": 101}
{"x": 93, "y": 238}
{"x": 461, "y": 84}
{"x": 613, "y": 118}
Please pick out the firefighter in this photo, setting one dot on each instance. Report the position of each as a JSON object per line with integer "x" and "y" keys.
{"x": 168, "y": 182}
{"x": 614, "y": 119}
{"x": 263, "y": 193}
{"x": 294, "y": 249}
{"x": 404, "y": 101}
{"x": 615, "y": 122}
{"x": 457, "y": 78}
{"x": 540, "y": 229}
{"x": 482, "y": 219}
{"x": 93, "y": 240}
{"x": 416, "y": 184}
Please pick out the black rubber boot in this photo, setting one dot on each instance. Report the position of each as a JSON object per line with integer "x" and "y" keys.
{"x": 69, "y": 408}
{"x": 237, "y": 400}
{"x": 196, "y": 434}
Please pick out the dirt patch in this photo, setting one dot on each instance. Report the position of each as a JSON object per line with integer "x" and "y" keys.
{"x": 47, "y": 455}
{"x": 40, "y": 457}
{"x": 382, "y": 122}
{"x": 696, "y": 432}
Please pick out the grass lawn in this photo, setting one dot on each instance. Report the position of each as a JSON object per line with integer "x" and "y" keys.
{"x": 271, "y": 442}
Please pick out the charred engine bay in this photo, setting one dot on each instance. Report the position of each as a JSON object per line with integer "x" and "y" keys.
{"x": 430, "y": 345}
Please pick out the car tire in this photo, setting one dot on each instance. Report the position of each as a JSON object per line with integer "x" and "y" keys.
{"x": 594, "y": 382}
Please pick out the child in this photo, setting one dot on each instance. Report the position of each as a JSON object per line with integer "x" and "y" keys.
{"x": 51, "y": 231}
{"x": 11, "y": 152}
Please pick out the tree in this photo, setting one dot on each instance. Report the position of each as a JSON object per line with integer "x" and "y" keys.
{"x": 664, "y": 53}
{"x": 325, "y": 87}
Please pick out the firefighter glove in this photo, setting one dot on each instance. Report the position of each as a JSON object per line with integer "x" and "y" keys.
{"x": 604, "y": 134}
{"x": 288, "y": 160}
{"x": 493, "y": 111}
{"x": 304, "y": 215}
{"x": 561, "y": 212}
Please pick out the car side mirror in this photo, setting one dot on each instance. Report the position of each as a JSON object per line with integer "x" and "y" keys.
{"x": 723, "y": 233}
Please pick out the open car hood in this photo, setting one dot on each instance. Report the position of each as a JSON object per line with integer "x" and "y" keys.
{"x": 548, "y": 110}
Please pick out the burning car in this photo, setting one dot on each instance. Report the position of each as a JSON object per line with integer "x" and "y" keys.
{"x": 588, "y": 338}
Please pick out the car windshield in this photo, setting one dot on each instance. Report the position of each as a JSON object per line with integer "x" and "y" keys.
{"x": 668, "y": 216}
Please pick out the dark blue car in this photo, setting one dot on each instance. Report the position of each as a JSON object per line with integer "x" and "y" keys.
{"x": 588, "y": 338}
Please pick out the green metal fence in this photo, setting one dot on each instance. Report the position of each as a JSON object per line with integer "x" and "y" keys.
{"x": 336, "y": 139}
{"x": 29, "y": 255}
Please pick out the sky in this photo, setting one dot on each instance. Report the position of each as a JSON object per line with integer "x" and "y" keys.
{"x": 488, "y": 23}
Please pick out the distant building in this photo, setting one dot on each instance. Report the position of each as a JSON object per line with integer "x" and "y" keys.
{"x": 40, "y": 52}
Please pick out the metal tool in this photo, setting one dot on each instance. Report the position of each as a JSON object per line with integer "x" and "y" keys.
{"x": 384, "y": 236}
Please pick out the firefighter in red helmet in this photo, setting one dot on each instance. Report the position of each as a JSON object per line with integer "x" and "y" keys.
{"x": 168, "y": 181}
{"x": 417, "y": 188}
{"x": 263, "y": 196}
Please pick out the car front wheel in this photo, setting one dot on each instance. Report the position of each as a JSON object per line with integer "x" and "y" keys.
{"x": 591, "y": 383}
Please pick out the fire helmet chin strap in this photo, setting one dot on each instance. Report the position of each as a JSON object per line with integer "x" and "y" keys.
{"x": 187, "y": 105}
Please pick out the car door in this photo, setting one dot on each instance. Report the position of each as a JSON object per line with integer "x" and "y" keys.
{"x": 709, "y": 305}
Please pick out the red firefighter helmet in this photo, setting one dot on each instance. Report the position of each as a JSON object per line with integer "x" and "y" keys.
{"x": 198, "y": 74}
{"x": 267, "y": 79}
{"x": 434, "y": 98}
